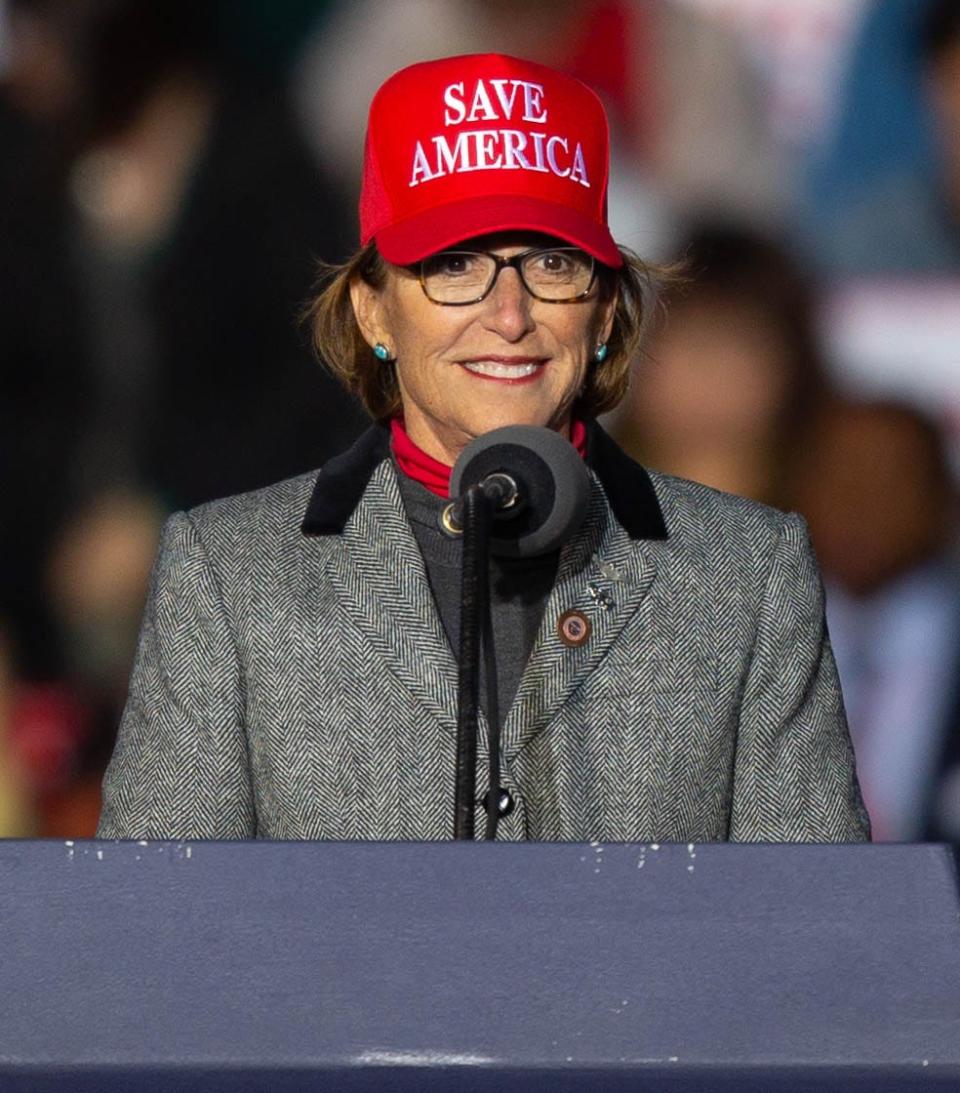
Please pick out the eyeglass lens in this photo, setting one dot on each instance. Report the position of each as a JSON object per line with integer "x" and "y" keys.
{"x": 558, "y": 274}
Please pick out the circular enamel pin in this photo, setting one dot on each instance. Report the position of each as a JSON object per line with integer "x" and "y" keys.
{"x": 573, "y": 628}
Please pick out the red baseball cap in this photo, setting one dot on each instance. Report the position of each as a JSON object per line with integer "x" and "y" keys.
{"x": 482, "y": 143}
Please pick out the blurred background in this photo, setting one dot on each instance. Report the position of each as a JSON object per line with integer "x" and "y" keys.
{"x": 172, "y": 171}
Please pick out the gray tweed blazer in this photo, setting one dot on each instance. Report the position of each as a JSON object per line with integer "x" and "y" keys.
{"x": 293, "y": 679}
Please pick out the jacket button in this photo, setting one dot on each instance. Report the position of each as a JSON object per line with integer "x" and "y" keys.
{"x": 573, "y": 628}
{"x": 505, "y": 803}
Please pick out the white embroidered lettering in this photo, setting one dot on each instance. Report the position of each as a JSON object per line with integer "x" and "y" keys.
{"x": 493, "y": 149}
{"x": 514, "y": 143}
{"x": 420, "y": 166}
{"x": 578, "y": 172}
{"x": 482, "y": 108}
{"x": 541, "y": 164}
{"x": 552, "y": 156}
{"x": 506, "y": 102}
{"x": 487, "y": 157}
{"x": 448, "y": 159}
{"x": 456, "y": 108}
{"x": 533, "y": 109}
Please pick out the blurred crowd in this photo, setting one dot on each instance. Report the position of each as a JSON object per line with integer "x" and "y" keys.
{"x": 173, "y": 173}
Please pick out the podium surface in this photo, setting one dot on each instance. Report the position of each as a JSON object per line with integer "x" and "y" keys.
{"x": 403, "y": 966}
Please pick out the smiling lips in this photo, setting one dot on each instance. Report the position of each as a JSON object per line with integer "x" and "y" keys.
{"x": 511, "y": 369}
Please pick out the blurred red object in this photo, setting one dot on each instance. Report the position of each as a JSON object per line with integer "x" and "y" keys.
{"x": 73, "y": 813}
{"x": 50, "y": 732}
{"x": 49, "y": 726}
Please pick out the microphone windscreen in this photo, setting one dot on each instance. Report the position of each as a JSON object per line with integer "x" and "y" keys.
{"x": 552, "y": 480}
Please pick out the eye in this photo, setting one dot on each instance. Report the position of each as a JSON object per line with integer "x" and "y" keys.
{"x": 555, "y": 261}
{"x": 453, "y": 264}
{"x": 558, "y": 263}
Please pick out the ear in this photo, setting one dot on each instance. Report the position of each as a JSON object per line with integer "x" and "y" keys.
{"x": 368, "y": 309}
{"x": 608, "y": 310}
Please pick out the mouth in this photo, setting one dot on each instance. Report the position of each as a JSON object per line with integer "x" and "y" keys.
{"x": 512, "y": 369}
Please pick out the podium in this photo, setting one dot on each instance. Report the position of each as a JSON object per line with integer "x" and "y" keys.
{"x": 488, "y": 967}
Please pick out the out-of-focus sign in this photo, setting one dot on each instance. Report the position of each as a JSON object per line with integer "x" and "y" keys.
{"x": 800, "y": 48}
{"x": 899, "y": 337}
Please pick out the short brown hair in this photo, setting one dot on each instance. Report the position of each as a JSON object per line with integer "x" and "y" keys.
{"x": 342, "y": 348}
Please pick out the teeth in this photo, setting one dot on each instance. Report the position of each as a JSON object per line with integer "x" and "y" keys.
{"x": 501, "y": 370}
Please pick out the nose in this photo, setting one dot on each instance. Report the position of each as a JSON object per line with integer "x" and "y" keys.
{"x": 508, "y": 310}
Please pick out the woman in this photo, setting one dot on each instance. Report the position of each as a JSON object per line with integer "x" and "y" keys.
{"x": 295, "y": 677}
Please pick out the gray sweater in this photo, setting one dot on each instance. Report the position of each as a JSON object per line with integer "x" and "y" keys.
{"x": 518, "y": 589}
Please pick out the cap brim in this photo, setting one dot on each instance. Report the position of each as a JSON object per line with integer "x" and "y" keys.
{"x": 443, "y": 226}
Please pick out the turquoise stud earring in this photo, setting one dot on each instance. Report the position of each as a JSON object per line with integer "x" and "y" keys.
{"x": 600, "y": 353}
{"x": 381, "y": 352}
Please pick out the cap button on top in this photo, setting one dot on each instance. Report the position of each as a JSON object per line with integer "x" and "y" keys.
{"x": 573, "y": 628}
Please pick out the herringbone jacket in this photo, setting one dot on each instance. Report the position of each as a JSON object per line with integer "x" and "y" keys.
{"x": 293, "y": 679}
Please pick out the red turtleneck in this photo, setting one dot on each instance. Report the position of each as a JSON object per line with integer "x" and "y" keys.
{"x": 433, "y": 474}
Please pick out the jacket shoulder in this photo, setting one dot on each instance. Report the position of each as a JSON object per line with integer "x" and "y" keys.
{"x": 723, "y": 527}
{"x": 683, "y": 499}
{"x": 276, "y": 511}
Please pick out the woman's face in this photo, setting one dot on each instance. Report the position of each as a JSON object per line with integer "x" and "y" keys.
{"x": 508, "y": 360}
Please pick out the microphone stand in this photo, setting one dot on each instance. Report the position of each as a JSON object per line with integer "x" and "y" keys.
{"x": 473, "y": 511}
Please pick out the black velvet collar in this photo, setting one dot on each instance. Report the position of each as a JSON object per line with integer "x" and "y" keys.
{"x": 627, "y": 486}
{"x": 341, "y": 483}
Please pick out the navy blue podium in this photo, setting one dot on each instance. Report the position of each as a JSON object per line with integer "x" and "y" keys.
{"x": 422, "y": 967}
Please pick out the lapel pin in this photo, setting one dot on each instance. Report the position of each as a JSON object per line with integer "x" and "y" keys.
{"x": 610, "y": 571}
{"x": 573, "y": 628}
{"x": 601, "y": 595}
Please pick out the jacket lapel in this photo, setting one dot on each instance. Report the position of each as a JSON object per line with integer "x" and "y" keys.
{"x": 604, "y": 575}
{"x": 377, "y": 571}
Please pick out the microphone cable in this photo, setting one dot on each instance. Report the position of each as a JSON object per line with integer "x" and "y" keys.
{"x": 474, "y": 605}
{"x": 476, "y": 640}
{"x": 492, "y": 798}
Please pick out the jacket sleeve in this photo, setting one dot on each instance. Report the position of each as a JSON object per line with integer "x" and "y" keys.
{"x": 180, "y": 767}
{"x": 794, "y": 775}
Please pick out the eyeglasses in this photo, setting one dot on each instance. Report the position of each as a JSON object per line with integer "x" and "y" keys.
{"x": 557, "y": 275}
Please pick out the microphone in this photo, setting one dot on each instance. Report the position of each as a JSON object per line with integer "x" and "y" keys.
{"x": 536, "y": 481}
